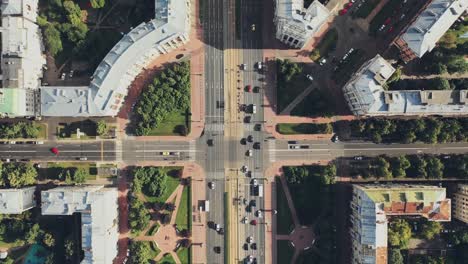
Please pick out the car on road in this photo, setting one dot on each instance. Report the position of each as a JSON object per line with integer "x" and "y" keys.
{"x": 244, "y": 66}
{"x": 253, "y": 222}
{"x": 6, "y": 160}
{"x": 244, "y": 220}
{"x": 254, "y": 182}
{"x": 39, "y": 142}
{"x": 54, "y": 150}
{"x": 248, "y": 174}
{"x": 258, "y": 127}
{"x": 250, "y": 239}
{"x": 165, "y": 153}
{"x": 310, "y": 77}
{"x": 254, "y": 109}
{"x": 83, "y": 158}
{"x": 249, "y": 259}
{"x": 245, "y": 246}
{"x": 243, "y": 141}
{"x": 259, "y": 214}
{"x": 221, "y": 231}
{"x": 322, "y": 61}
{"x": 343, "y": 12}
{"x": 210, "y": 142}
{"x": 335, "y": 138}
{"x": 71, "y": 74}
{"x": 217, "y": 250}
{"x": 253, "y": 203}
{"x": 252, "y": 27}
{"x": 249, "y": 153}
{"x": 247, "y": 119}
{"x": 62, "y": 77}
{"x": 12, "y": 142}
{"x": 256, "y": 145}
{"x": 253, "y": 246}
{"x": 294, "y": 147}
{"x": 217, "y": 227}
{"x": 358, "y": 158}
{"x": 250, "y": 138}
{"x": 244, "y": 201}
{"x": 248, "y": 88}
{"x": 244, "y": 168}
{"x": 212, "y": 185}
{"x": 259, "y": 65}
{"x": 175, "y": 153}
{"x": 3, "y": 142}
{"x": 292, "y": 142}
{"x": 256, "y": 89}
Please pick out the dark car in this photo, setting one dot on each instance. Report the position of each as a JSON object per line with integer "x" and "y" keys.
{"x": 217, "y": 250}
{"x": 210, "y": 142}
{"x": 253, "y": 203}
{"x": 250, "y": 138}
{"x": 245, "y": 246}
{"x": 256, "y": 89}
{"x": 247, "y": 119}
{"x": 292, "y": 142}
{"x": 256, "y": 145}
{"x": 243, "y": 141}
{"x": 253, "y": 246}
{"x": 221, "y": 231}
{"x": 258, "y": 127}
{"x": 211, "y": 224}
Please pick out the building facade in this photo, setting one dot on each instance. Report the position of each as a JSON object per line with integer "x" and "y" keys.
{"x": 371, "y": 204}
{"x": 460, "y": 203}
{"x": 16, "y": 201}
{"x": 295, "y": 25}
{"x": 105, "y": 95}
{"x": 366, "y": 95}
{"x": 22, "y": 58}
{"x": 99, "y": 218}
{"x": 422, "y": 34}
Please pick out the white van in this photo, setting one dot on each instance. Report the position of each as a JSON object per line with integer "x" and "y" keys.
{"x": 254, "y": 109}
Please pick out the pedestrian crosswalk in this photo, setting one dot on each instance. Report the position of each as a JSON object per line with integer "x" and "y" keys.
{"x": 192, "y": 152}
{"x": 118, "y": 150}
{"x": 271, "y": 150}
{"x": 218, "y": 127}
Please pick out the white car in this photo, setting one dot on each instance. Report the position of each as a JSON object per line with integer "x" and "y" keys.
{"x": 39, "y": 142}
{"x": 244, "y": 66}
{"x": 63, "y": 76}
{"x": 217, "y": 227}
{"x": 310, "y": 77}
{"x": 254, "y": 182}
{"x": 259, "y": 214}
{"x": 259, "y": 65}
{"x": 250, "y": 239}
{"x": 322, "y": 61}
{"x": 253, "y": 27}
{"x": 12, "y": 142}
{"x": 244, "y": 220}
{"x": 83, "y": 158}
{"x": 249, "y": 153}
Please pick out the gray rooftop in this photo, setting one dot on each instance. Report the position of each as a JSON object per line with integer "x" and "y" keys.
{"x": 16, "y": 201}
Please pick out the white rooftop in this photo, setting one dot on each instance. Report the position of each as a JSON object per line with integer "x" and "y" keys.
{"x": 99, "y": 217}
{"x": 423, "y": 34}
{"x": 16, "y": 201}
{"x": 24, "y": 8}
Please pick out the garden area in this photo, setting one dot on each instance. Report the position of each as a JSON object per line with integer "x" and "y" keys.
{"x": 69, "y": 172}
{"x": 291, "y": 81}
{"x": 163, "y": 108}
{"x": 294, "y": 129}
{"x": 23, "y": 130}
{"x": 326, "y": 45}
{"x": 151, "y": 208}
{"x": 285, "y": 223}
{"x": 88, "y": 129}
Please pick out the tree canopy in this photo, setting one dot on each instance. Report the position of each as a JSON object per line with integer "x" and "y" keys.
{"x": 19, "y": 130}
{"x": 430, "y": 229}
{"x": 168, "y": 93}
{"x": 140, "y": 252}
{"x": 151, "y": 180}
{"x": 399, "y": 233}
{"x": 16, "y": 175}
{"x": 138, "y": 216}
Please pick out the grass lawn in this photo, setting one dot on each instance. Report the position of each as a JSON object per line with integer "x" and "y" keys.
{"x": 154, "y": 249}
{"x": 327, "y": 44}
{"x": 152, "y": 230}
{"x": 285, "y": 223}
{"x": 287, "y": 91}
{"x": 42, "y": 130}
{"x": 182, "y": 218}
{"x": 55, "y": 168}
{"x": 293, "y": 129}
{"x": 172, "y": 182}
{"x": 285, "y": 251}
{"x": 184, "y": 255}
{"x": 4, "y": 244}
{"x": 170, "y": 125}
{"x": 384, "y": 13}
{"x": 366, "y": 8}
{"x": 167, "y": 259}
{"x": 317, "y": 103}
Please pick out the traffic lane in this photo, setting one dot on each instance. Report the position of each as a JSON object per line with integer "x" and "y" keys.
{"x": 216, "y": 216}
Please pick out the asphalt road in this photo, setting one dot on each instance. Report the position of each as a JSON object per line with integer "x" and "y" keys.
{"x": 212, "y": 157}
{"x": 91, "y": 150}
{"x": 141, "y": 151}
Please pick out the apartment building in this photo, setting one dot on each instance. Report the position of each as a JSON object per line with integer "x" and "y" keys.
{"x": 422, "y": 34}
{"x": 460, "y": 203}
{"x": 296, "y": 25}
{"x": 372, "y": 204}
{"x": 99, "y": 218}
{"x": 366, "y": 95}
{"x": 22, "y": 58}
{"x": 16, "y": 201}
{"x": 105, "y": 95}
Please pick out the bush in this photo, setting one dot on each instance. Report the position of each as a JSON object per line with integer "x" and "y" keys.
{"x": 399, "y": 233}
{"x": 138, "y": 216}
{"x": 140, "y": 252}
{"x": 19, "y": 130}
{"x": 17, "y": 175}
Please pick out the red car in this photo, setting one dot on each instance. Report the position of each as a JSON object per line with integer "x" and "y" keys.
{"x": 387, "y": 21}
{"x": 55, "y": 151}
{"x": 343, "y": 12}
{"x": 248, "y": 88}
{"x": 348, "y": 5}
{"x": 390, "y": 30}
{"x": 253, "y": 222}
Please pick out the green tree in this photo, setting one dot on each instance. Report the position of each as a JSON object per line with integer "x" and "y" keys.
{"x": 382, "y": 168}
{"x": 430, "y": 229}
{"x": 140, "y": 252}
{"x": 33, "y": 233}
{"x": 434, "y": 167}
{"x": 456, "y": 64}
{"x": 8, "y": 260}
{"x": 328, "y": 174}
{"x": 80, "y": 175}
{"x": 419, "y": 164}
{"x": 439, "y": 84}
{"x": 52, "y": 39}
{"x": 16, "y": 175}
{"x": 395, "y": 257}
{"x": 138, "y": 215}
{"x": 50, "y": 259}
{"x": 295, "y": 174}
{"x": 395, "y": 76}
{"x": 448, "y": 40}
{"x": 48, "y": 240}
{"x": 399, "y": 166}
{"x": 102, "y": 128}
{"x": 399, "y": 233}
{"x": 98, "y": 3}
{"x": 69, "y": 248}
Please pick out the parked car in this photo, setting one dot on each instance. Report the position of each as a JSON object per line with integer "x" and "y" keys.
{"x": 212, "y": 185}
{"x": 249, "y": 153}
{"x": 248, "y": 88}
{"x": 310, "y": 77}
